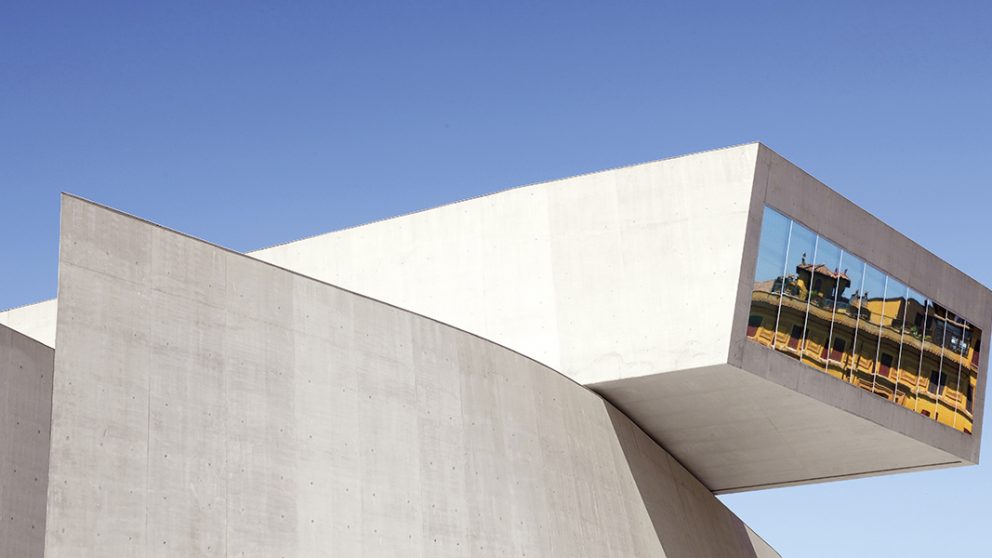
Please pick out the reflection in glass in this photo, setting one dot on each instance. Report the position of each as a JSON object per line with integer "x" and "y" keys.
{"x": 769, "y": 269}
{"x": 893, "y": 308}
{"x": 969, "y": 379}
{"x": 847, "y": 317}
{"x": 952, "y": 330}
{"x": 868, "y": 305}
{"x": 929, "y": 375}
{"x": 822, "y": 277}
{"x": 791, "y": 327}
{"x": 814, "y": 301}
{"x": 937, "y": 380}
{"x": 914, "y": 323}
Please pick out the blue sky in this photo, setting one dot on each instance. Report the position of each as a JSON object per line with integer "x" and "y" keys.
{"x": 251, "y": 124}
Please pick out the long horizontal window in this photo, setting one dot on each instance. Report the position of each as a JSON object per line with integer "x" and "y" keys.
{"x": 820, "y": 304}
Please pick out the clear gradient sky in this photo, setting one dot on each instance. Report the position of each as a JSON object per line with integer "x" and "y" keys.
{"x": 250, "y": 124}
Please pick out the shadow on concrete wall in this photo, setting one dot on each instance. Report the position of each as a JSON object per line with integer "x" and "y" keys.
{"x": 689, "y": 521}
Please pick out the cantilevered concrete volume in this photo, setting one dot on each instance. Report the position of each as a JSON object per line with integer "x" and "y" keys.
{"x": 571, "y": 368}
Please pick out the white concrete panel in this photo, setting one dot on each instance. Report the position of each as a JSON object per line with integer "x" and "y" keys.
{"x": 645, "y": 263}
{"x": 36, "y": 321}
{"x": 25, "y": 424}
{"x": 210, "y": 404}
{"x": 484, "y": 264}
{"x": 602, "y": 276}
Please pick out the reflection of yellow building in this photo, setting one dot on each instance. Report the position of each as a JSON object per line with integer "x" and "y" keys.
{"x": 877, "y": 344}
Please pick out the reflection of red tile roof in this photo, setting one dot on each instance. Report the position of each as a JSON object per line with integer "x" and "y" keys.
{"x": 824, "y": 270}
{"x": 766, "y": 286}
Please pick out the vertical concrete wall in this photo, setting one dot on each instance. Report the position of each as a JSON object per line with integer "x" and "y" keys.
{"x": 25, "y": 422}
{"x": 208, "y": 404}
{"x": 614, "y": 274}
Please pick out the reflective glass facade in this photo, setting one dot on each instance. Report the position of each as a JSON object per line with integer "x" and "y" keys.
{"x": 822, "y": 305}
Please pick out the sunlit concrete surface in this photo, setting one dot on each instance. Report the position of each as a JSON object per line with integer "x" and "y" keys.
{"x": 209, "y": 404}
{"x": 557, "y": 369}
{"x": 623, "y": 277}
{"x": 36, "y": 321}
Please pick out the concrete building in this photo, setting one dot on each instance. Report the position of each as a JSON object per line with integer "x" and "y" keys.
{"x": 571, "y": 368}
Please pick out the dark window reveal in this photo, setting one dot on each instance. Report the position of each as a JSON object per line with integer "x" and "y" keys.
{"x": 838, "y": 349}
{"x": 884, "y": 365}
{"x": 795, "y": 336}
{"x": 938, "y": 381}
{"x": 753, "y": 323}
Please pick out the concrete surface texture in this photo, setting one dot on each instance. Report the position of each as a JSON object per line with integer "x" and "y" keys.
{"x": 623, "y": 277}
{"x": 25, "y": 421}
{"x": 36, "y": 321}
{"x": 209, "y": 404}
{"x": 766, "y": 434}
{"x": 609, "y": 275}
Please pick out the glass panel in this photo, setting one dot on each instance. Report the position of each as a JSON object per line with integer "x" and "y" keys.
{"x": 795, "y": 292}
{"x": 867, "y": 304}
{"x": 831, "y": 310}
{"x": 768, "y": 273}
{"x": 908, "y": 380}
{"x": 822, "y": 277}
{"x": 930, "y": 375}
{"x": 960, "y": 385}
{"x": 889, "y": 349}
{"x": 954, "y": 330}
{"x": 969, "y": 379}
{"x": 847, "y": 317}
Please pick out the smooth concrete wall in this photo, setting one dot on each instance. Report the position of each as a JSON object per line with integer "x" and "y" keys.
{"x": 609, "y": 275}
{"x": 737, "y": 431}
{"x": 36, "y": 321}
{"x": 613, "y": 274}
{"x": 209, "y": 404}
{"x": 25, "y": 425}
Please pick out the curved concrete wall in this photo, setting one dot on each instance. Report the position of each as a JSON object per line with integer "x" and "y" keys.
{"x": 209, "y": 404}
